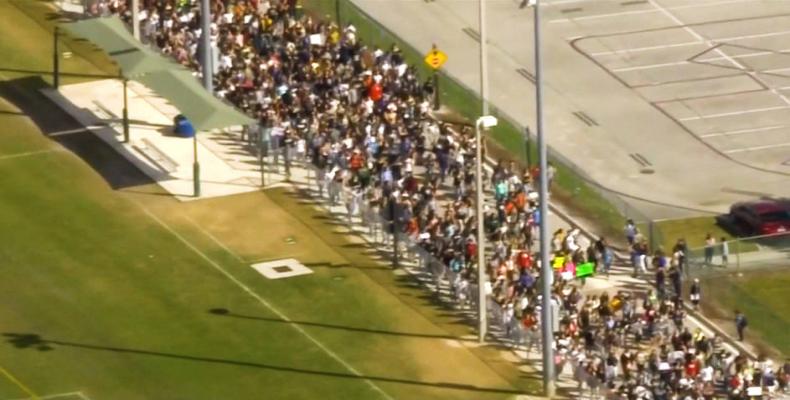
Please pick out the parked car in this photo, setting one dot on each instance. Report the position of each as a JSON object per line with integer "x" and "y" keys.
{"x": 761, "y": 217}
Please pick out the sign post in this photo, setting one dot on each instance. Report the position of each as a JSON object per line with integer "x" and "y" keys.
{"x": 435, "y": 59}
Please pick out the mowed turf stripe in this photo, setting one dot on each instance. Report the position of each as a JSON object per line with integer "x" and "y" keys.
{"x": 265, "y": 303}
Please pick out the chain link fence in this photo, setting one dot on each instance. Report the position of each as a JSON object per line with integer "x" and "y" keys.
{"x": 740, "y": 255}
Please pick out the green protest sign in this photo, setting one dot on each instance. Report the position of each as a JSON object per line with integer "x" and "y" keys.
{"x": 586, "y": 269}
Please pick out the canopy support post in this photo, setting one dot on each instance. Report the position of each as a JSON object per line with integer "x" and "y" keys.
{"x": 125, "y": 111}
{"x": 55, "y": 60}
{"x": 196, "y": 167}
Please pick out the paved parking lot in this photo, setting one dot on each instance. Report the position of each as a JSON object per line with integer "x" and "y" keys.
{"x": 691, "y": 91}
{"x": 724, "y": 81}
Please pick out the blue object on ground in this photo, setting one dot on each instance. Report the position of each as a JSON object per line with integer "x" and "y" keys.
{"x": 183, "y": 127}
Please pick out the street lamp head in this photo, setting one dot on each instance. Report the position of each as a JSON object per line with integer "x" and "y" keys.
{"x": 486, "y": 121}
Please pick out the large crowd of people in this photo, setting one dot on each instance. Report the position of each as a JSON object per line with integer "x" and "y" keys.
{"x": 359, "y": 116}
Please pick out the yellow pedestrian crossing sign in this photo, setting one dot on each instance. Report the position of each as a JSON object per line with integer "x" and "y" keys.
{"x": 435, "y": 58}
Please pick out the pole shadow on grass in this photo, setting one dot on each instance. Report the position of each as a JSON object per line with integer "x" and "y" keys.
{"x": 227, "y": 313}
{"x": 36, "y": 342}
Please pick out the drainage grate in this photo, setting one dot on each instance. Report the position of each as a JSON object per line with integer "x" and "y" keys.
{"x": 472, "y": 34}
{"x": 585, "y": 118}
{"x": 526, "y": 74}
{"x": 633, "y": 2}
{"x": 571, "y": 10}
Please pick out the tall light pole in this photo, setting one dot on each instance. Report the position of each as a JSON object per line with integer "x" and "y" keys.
{"x": 545, "y": 269}
{"x": 483, "y": 122}
{"x": 136, "y": 19}
{"x": 205, "y": 42}
{"x": 483, "y": 57}
{"x": 481, "y": 266}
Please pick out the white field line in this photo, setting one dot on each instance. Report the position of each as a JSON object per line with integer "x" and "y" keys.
{"x": 265, "y": 303}
{"x": 215, "y": 240}
{"x": 727, "y": 114}
{"x": 56, "y": 396}
{"x": 742, "y": 131}
{"x": 755, "y": 148}
{"x": 28, "y": 154}
{"x": 77, "y": 130}
{"x": 636, "y": 12}
{"x": 669, "y": 64}
{"x": 692, "y": 43}
{"x": 710, "y": 43}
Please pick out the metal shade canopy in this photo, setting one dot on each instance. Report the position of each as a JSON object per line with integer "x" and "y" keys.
{"x": 185, "y": 92}
{"x": 110, "y": 34}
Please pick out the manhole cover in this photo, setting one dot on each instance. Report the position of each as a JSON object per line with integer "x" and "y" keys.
{"x": 282, "y": 269}
{"x": 647, "y": 171}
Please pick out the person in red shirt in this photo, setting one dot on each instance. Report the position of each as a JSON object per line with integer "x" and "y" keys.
{"x": 524, "y": 260}
{"x": 693, "y": 368}
{"x": 375, "y": 92}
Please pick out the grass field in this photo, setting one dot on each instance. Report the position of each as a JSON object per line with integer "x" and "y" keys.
{"x": 762, "y": 296}
{"x": 112, "y": 290}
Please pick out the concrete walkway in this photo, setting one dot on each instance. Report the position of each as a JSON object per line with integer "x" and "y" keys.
{"x": 153, "y": 147}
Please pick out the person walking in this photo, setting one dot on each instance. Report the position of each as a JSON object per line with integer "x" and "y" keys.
{"x": 679, "y": 252}
{"x": 695, "y": 293}
{"x": 630, "y": 231}
{"x": 710, "y": 242}
{"x": 740, "y": 324}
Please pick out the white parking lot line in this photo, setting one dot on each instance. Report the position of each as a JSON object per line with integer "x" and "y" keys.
{"x": 648, "y": 11}
{"x": 756, "y": 148}
{"x": 701, "y": 60}
{"x": 727, "y": 114}
{"x": 718, "y": 51}
{"x": 692, "y": 43}
{"x": 742, "y": 131}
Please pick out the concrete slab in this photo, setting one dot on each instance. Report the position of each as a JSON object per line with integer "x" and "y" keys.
{"x": 153, "y": 148}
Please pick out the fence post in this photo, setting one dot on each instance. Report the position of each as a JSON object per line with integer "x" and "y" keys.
{"x": 652, "y": 234}
{"x": 737, "y": 256}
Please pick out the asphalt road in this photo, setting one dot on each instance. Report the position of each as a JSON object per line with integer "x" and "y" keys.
{"x": 693, "y": 90}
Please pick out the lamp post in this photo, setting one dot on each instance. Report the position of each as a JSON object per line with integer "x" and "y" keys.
{"x": 483, "y": 122}
{"x": 263, "y": 150}
{"x": 545, "y": 269}
{"x": 393, "y": 210}
{"x": 205, "y": 42}
{"x": 483, "y": 56}
{"x": 527, "y": 149}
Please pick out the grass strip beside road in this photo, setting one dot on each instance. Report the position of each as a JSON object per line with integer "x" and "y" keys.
{"x": 762, "y": 296}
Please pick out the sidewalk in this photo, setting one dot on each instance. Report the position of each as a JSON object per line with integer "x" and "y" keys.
{"x": 166, "y": 158}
